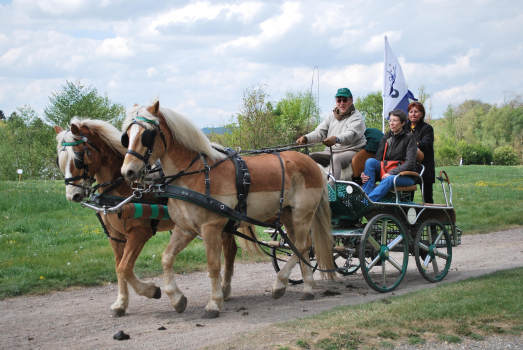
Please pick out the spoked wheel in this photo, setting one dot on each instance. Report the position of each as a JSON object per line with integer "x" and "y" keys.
{"x": 281, "y": 255}
{"x": 343, "y": 257}
{"x": 384, "y": 253}
{"x": 433, "y": 250}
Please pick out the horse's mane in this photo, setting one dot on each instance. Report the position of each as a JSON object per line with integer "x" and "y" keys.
{"x": 182, "y": 129}
{"x": 110, "y": 135}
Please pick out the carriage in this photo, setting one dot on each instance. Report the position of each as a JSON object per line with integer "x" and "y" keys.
{"x": 378, "y": 237}
{"x": 200, "y": 194}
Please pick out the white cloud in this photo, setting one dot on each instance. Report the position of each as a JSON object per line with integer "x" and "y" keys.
{"x": 151, "y": 72}
{"x": 114, "y": 48}
{"x": 458, "y": 94}
{"x": 52, "y": 7}
{"x": 376, "y": 42}
{"x": 271, "y": 29}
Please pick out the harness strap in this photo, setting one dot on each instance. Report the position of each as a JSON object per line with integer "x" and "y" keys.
{"x": 105, "y": 229}
{"x": 188, "y": 195}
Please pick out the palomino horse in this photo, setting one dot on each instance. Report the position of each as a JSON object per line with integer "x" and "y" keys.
{"x": 104, "y": 158}
{"x": 305, "y": 205}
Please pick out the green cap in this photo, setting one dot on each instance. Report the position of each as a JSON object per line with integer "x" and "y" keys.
{"x": 344, "y": 92}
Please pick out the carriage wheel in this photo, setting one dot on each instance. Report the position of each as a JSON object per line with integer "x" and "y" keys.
{"x": 340, "y": 258}
{"x": 280, "y": 256}
{"x": 433, "y": 250}
{"x": 384, "y": 253}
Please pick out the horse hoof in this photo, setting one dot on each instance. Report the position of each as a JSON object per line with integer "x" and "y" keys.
{"x": 277, "y": 294}
{"x": 182, "y": 305}
{"x": 158, "y": 293}
{"x": 307, "y": 296}
{"x": 118, "y": 313}
{"x": 211, "y": 314}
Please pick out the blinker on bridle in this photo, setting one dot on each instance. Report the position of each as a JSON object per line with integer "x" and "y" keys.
{"x": 79, "y": 162}
{"x": 148, "y": 139}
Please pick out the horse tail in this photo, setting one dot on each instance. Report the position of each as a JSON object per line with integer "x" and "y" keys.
{"x": 246, "y": 245}
{"x": 321, "y": 230}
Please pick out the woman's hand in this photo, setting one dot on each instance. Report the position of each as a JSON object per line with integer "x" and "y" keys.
{"x": 385, "y": 175}
{"x": 364, "y": 178}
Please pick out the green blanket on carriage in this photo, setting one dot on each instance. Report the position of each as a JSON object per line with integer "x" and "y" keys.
{"x": 352, "y": 204}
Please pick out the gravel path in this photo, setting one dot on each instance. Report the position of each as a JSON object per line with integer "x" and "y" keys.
{"x": 80, "y": 319}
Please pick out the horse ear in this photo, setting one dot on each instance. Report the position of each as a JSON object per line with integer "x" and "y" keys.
{"x": 154, "y": 108}
{"x": 58, "y": 129}
{"x": 75, "y": 130}
{"x": 136, "y": 105}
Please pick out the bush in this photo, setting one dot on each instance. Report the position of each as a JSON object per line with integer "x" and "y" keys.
{"x": 446, "y": 155}
{"x": 505, "y": 156}
{"x": 476, "y": 154}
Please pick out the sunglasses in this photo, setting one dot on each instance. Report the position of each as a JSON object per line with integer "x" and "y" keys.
{"x": 342, "y": 99}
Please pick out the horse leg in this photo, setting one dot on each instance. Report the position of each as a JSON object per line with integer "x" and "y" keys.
{"x": 179, "y": 240}
{"x": 229, "y": 252}
{"x": 303, "y": 243}
{"x": 137, "y": 237}
{"x": 122, "y": 302}
{"x": 211, "y": 235}
{"x": 298, "y": 233}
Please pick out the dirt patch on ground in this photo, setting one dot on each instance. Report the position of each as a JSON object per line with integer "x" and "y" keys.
{"x": 80, "y": 318}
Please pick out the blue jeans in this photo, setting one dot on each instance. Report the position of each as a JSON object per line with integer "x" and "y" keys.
{"x": 372, "y": 170}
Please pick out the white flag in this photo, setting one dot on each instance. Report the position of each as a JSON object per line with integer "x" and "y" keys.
{"x": 395, "y": 92}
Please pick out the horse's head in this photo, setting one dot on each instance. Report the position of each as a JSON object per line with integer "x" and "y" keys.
{"x": 78, "y": 158}
{"x": 144, "y": 140}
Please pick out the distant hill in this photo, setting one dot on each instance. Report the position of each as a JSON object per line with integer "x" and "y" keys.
{"x": 220, "y": 130}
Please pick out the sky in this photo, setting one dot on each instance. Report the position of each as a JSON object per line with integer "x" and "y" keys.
{"x": 199, "y": 56}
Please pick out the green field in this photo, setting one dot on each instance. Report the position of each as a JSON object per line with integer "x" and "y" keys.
{"x": 48, "y": 243}
{"x": 489, "y": 305}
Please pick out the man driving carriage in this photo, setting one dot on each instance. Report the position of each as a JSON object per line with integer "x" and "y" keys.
{"x": 343, "y": 130}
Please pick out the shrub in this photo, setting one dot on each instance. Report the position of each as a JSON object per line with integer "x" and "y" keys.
{"x": 447, "y": 154}
{"x": 476, "y": 154}
{"x": 505, "y": 156}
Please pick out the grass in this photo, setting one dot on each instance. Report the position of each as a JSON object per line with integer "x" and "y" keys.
{"x": 474, "y": 308}
{"x": 48, "y": 243}
{"x": 486, "y": 198}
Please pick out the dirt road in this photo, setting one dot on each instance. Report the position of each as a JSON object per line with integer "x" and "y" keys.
{"x": 80, "y": 319}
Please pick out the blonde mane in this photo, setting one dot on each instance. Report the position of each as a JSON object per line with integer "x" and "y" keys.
{"x": 110, "y": 135}
{"x": 182, "y": 129}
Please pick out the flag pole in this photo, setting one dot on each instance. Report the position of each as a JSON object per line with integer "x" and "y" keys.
{"x": 384, "y": 83}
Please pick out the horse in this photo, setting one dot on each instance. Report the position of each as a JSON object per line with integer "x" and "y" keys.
{"x": 161, "y": 133}
{"x": 103, "y": 156}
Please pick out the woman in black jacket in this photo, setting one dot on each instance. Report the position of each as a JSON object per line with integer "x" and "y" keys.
{"x": 424, "y": 134}
{"x": 401, "y": 146}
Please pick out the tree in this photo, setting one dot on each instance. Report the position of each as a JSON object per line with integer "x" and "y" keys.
{"x": 371, "y": 108}
{"x": 446, "y": 154}
{"x": 2, "y": 115}
{"x": 77, "y": 100}
{"x": 27, "y": 143}
{"x": 425, "y": 99}
{"x": 505, "y": 156}
{"x": 262, "y": 123}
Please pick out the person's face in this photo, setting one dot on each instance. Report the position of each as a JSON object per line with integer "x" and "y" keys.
{"x": 395, "y": 124}
{"x": 414, "y": 115}
{"x": 343, "y": 104}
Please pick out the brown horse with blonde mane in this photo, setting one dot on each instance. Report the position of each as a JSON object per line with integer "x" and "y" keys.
{"x": 306, "y": 212}
{"x": 104, "y": 159}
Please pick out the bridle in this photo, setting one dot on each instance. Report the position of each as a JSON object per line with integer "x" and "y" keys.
{"x": 148, "y": 140}
{"x": 80, "y": 164}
